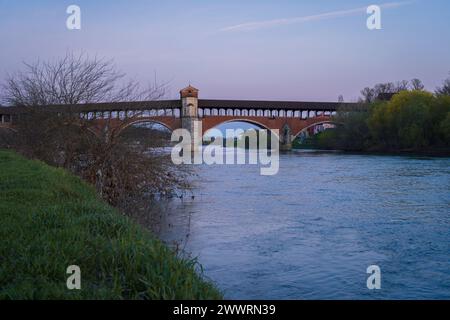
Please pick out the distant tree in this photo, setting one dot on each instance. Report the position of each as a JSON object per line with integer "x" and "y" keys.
{"x": 410, "y": 121}
{"x": 352, "y": 132}
{"x": 401, "y": 86}
{"x": 368, "y": 95}
{"x": 404, "y": 123}
{"x": 382, "y": 91}
{"x": 385, "y": 88}
{"x": 445, "y": 129}
{"x": 416, "y": 84}
{"x": 445, "y": 89}
{"x": 440, "y": 120}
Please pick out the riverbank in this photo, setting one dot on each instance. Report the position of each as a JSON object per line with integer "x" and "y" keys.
{"x": 50, "y": 219}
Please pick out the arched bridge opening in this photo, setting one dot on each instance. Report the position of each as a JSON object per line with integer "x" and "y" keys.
{"x": 238, "y": 132}
{"x": 309, "y": 137}
{"x": 148, "y": 132}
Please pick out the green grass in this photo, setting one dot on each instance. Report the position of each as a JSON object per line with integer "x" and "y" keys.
{"x": 50, "y": 219}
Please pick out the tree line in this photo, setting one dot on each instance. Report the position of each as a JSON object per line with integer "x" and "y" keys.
{"x": 400, "y": 117}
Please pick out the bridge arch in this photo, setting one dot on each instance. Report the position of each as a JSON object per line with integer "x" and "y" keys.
{"x": 146, "y": 120}
{"x": 313, "y": 125}
{"x": 249, "y": 121}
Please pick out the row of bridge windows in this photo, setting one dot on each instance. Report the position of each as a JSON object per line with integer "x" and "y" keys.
{"x": 122, "y": 115}
{"x": 205, "y": 112}
{"x": 304, "y": 114}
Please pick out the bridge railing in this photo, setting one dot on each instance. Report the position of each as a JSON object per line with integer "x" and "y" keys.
{"x": 113, "y": 110}
{"x": 137, "y": 113}
{"x": 267, "y": 109}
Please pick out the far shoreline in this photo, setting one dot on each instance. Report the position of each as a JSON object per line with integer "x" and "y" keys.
{"x": 404, "y": 153}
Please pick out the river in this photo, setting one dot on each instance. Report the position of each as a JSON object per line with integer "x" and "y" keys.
{"x": 311, "y": 231}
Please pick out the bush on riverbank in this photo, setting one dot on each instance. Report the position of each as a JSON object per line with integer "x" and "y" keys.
{"x": 119, "y": 160}
{"x": 50, "y": 219}
{"x": 413, "y": 121}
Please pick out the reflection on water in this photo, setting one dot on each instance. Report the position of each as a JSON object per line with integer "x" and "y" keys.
{"x": 312, "y": 230}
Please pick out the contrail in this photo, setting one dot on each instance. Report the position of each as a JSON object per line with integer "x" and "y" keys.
{"x": 250, "y": 26}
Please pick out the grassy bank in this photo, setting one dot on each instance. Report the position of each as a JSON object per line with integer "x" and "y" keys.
{"x": 50, "y": 219}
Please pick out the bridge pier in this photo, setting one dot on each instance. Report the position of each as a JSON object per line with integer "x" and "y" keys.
{"x": 189, "y": 116}
{"x": 286, "y": 138}
{"x": 285, "y": 147}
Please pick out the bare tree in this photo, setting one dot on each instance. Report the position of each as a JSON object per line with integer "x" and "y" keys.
{"x": 416, "y": 84}
{"x": 74, "y": 79}
{"x": 384, "y": 88}
{"x": 444, "y": 90}
{"x": 368, "y": 94}
{"x": 122, "y": 170}
{"x": 384, "y": 91}
{"x": 402, "y": 85}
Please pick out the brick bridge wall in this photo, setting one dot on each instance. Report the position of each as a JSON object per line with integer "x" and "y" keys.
{"x": 296, "y": 125}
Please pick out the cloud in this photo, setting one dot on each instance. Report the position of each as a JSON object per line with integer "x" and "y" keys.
{"x": 251, "y": 26}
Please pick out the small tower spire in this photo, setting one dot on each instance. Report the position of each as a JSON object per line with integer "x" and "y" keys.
{"x": 189, "y": 92}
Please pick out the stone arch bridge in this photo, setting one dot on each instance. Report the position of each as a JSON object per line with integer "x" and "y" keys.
{"x": 289, "y": 117}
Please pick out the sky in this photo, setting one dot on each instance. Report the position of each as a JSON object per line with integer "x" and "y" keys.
{"x": 311, "y": 50}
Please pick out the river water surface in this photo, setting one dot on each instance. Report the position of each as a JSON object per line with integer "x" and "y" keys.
{"x": 311, "y": 231}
